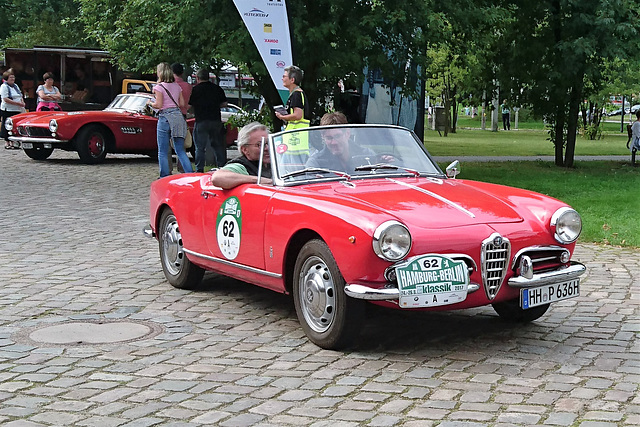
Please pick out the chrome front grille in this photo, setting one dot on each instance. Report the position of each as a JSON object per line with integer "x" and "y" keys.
{"x": 33, "y": 131}
{"x": 494, "y": 257}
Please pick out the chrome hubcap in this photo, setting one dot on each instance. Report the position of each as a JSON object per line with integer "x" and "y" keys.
{"x": 317, "y": 294}
{"x": 172, "y": 250}
{"x": 96, "y": 146}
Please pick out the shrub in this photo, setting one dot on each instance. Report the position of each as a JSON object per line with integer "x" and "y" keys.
{"x": 263, "y": 116}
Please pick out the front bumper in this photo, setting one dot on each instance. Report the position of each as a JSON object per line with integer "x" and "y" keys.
{"x": 563, "y": 274}
{"x": 33, "y": 140}
{"x": 391, "y": 291}
{"x": 385, "y": 294}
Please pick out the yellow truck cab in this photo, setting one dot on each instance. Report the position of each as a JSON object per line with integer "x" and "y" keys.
{"x": 135, "y": 86}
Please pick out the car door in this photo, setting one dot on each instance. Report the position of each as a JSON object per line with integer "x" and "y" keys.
{"x": 147, "y": 139}
{"x": 233, "y": 223}
{"x": 134, "y": 132}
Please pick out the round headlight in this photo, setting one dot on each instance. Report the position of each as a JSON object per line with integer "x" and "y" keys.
{"x": 8, "y": 124}
{"x": 391, "y": 241}
{"x": 566, "y": 225}
{"x": 53, "y": 125}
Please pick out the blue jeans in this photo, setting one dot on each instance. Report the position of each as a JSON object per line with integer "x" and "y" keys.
{"x": 208, "y": 134}
{"x": 164, "y": 133}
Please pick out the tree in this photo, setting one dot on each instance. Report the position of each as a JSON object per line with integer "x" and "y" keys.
{"x": 332, "y": 40}
{"x": 553, "y": 48}
{"x": 456, "y": 65}
{"x": 25, "y": 23}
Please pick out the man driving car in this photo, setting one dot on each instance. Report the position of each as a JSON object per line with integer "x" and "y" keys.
{"x": 244, "y": 169}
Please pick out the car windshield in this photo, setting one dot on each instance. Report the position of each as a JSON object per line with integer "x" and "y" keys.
{"x": 128, "y": 102}
{"x": 349, "y": 152}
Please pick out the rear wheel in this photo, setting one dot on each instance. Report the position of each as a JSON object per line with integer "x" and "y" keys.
{"x": 328, "y": 316}
{"x": 511, "y": 311}
{"x": 91, "y": 144}
{"x": 178, "y": 270}
{"x": 38, "y": 153}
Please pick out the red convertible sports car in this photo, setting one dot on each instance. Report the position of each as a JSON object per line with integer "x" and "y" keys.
{"x": 367, "y": 216}
{"x": 125, "y": 126}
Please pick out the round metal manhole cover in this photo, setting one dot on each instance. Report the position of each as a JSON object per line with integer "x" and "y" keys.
{"x": 93, "y": 332}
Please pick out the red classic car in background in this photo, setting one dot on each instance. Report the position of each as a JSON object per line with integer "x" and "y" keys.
{"x": 368, "y": 217}
{"x": 126, "y": 126}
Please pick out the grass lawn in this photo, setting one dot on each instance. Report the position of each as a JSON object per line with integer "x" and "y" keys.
{"x": 605, "y": 193}
{"x": 476, "y": 142}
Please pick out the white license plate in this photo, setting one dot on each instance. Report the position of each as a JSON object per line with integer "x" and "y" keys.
{"x": 533, "y": 297}
{"x": 27, "y": 145}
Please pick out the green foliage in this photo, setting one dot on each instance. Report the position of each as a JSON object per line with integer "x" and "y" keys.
{"x": 591, "y": 131}
{"x": 556, "y": 53}
{"x": 26, "y": 23}
{"x": 330, "y": 39}
{"x": 263, "y": 116}
{"x": 525, "y": 115}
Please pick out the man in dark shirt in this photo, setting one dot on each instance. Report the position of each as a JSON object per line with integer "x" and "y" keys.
{"x": 206, "y": 99}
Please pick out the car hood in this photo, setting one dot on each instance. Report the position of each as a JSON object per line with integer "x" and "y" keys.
{"x": 431, "y": 203}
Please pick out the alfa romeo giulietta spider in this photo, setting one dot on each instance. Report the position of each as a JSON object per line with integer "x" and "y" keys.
{"x": 366, "y": 216}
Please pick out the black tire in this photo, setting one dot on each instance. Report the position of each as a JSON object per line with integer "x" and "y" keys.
{"x": 511, "y": 311}
{"x": 329, "y": 318}
{"x": 38, "y": 153}
{"x": 91, "y": 144}
{"x": 178, "y": 270}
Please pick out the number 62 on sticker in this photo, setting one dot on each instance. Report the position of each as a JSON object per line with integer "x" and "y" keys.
{"x": 434, "y": 263}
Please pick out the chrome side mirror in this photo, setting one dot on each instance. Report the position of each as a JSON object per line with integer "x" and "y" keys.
{"x": 453, "y": 169}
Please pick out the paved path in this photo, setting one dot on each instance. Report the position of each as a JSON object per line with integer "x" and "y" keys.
{"x": 525, "y": 158}
{"x": 230, "y": 354}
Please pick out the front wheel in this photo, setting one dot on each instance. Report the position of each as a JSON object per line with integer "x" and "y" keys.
{"x": 329, "y": 318}
{"x": 178, "y": 270}
{"x": 91, "y": 143}
{"x": 38, "y": 153}
{"x": 511, "y": 311}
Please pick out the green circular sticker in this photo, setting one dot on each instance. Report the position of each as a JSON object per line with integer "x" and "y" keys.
{"x": 229, "y": 227}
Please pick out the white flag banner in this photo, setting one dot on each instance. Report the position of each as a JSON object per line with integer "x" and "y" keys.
{"x": 268, "y": 25}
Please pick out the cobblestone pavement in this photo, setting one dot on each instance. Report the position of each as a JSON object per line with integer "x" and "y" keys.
{"x": 231, "y": 354}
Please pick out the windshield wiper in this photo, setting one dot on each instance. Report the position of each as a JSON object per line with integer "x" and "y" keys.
{"x": 386, "y": 166}
{"x": 316, "y": 170}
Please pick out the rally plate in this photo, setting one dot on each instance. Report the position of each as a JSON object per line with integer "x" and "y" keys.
{"x": 431, "y": 280}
